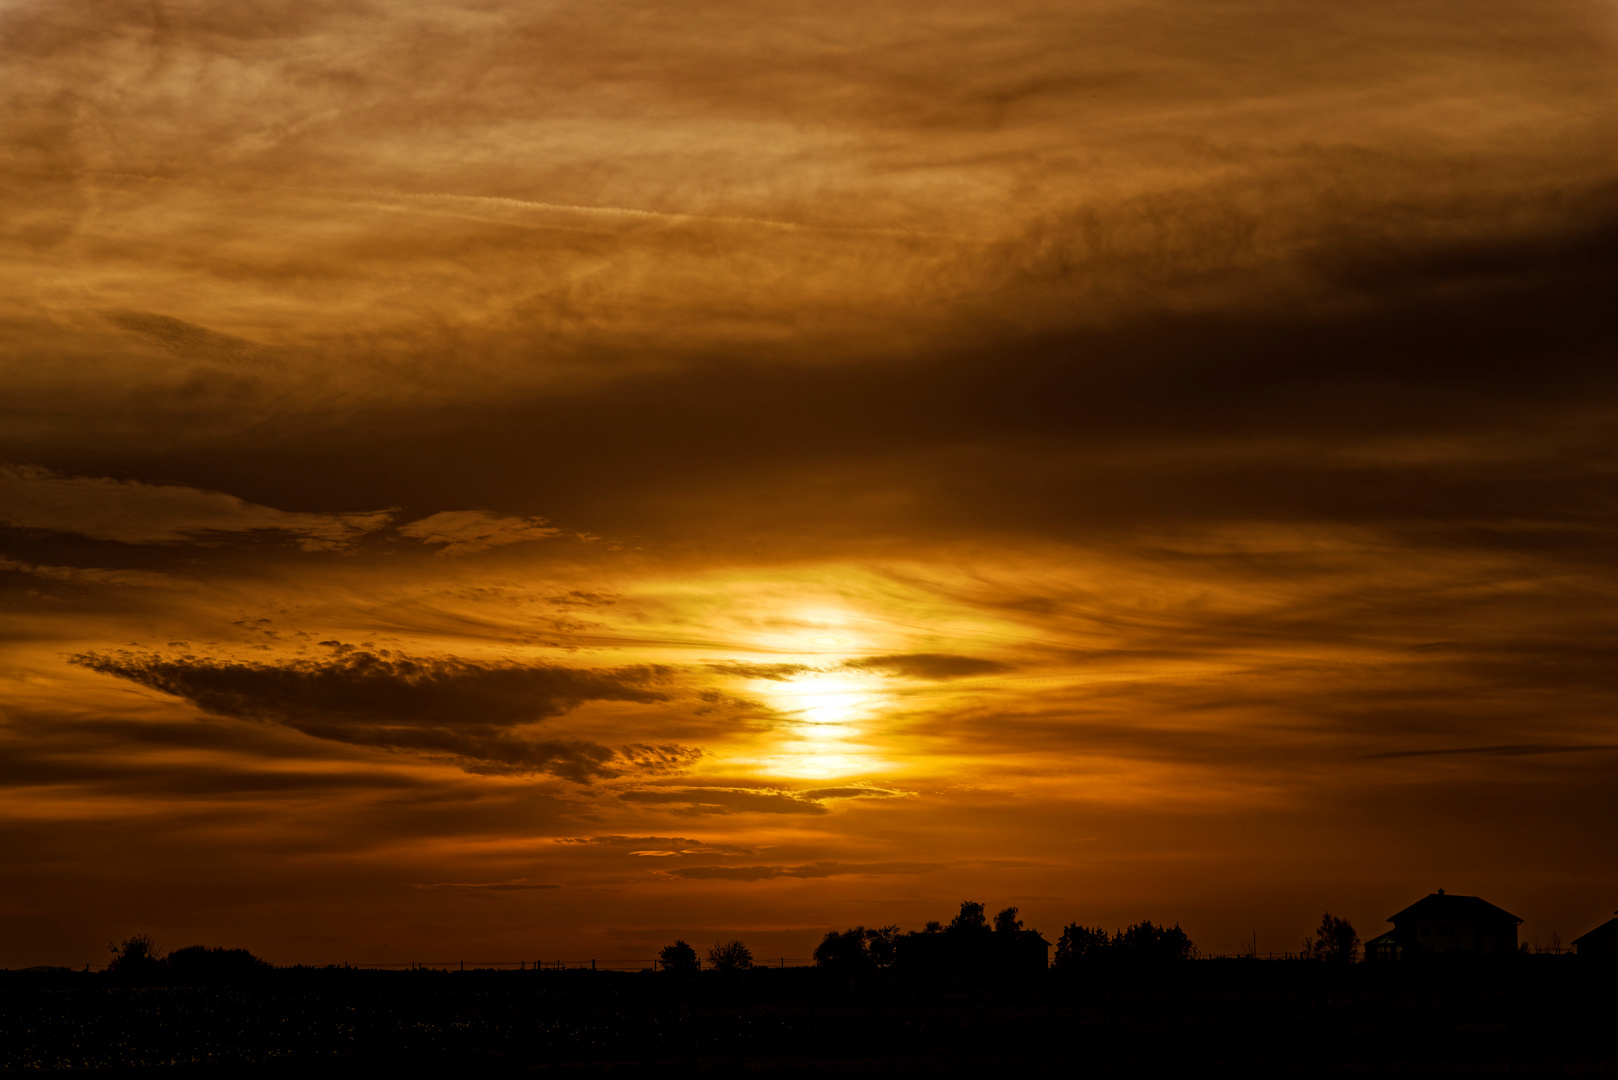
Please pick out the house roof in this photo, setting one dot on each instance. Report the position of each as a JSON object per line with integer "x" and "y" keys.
{"x": 1607, "y": 931}
{"x": 1441, "y": 905}
{"x": 1383, "y": 939}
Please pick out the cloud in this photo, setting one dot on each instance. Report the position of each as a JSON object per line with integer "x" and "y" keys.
{"x": 463, "y": 532}
{"x": 928, "y": 665}
{"x": 726, "y": 800}
{"x": 935, "y": 666}
{"x": 1508, "y": 750}
{"x": 696, "y": 799}
{"x": 445, "y": 708}
{"x": 743, "y": 669}
{"x": 656, "y": 845}
{"x": 853, "y": 792}
{"x": 189, "y": 340}
{"x": 76, "y": 575}
{"x": 810, "y": 870}
{"x": 661, "y": 758}
{"x": 514, "y": 885}
{"x": 135, "y": 513}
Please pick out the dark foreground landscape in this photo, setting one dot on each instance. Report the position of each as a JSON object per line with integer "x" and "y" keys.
{"x": 1537, "y": 1016}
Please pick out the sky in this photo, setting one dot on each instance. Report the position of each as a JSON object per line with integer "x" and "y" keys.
{"x": 487, "y": 480}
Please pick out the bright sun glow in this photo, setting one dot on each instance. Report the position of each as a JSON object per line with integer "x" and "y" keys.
{"x": 831, "y": 713}
{"x": 824, "y": 700}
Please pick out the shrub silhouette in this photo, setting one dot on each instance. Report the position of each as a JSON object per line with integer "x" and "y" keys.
{"x": 197, "y": 965}
{"x": 678, "y": 959}
{"x": 135, "y": 960}
{"x": 730, "y": 956}
{"x": 1334, "y": 941}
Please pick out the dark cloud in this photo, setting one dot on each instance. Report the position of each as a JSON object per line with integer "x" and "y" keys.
{"x": 726, "y": 800}
{"x": 811, "y": 870}
{"x": 515, "y": 885}
{"x": 190, "y": 340}
{"x": 21, "y": 769}
{"x": 928, "y": 665}
{"x": 450, "y": 708}
{"x": 735, "y": 799}
{"x": 1518, "y": 750}
{"x": 659, "y": 758}
{"x": 854, "y": 792}
{"x": 76, "y": 575}
{"x": 1172, "y": 421}
{"x": 744, "y": 669}
{"x": 137, "y": 513}
{"x": 656, "y": 845}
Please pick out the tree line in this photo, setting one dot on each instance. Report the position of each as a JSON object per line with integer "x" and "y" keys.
{"x": 867, "y": 950}
{"x": 855, "y": 951}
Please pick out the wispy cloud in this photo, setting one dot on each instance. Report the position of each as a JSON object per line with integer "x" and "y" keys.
{"x": 514, "y": 885}
{"x": 139, "y": 513}
{"x": 463, "y": 532}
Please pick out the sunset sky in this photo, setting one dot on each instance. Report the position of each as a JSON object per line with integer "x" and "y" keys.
{"x": 490, "y": 480}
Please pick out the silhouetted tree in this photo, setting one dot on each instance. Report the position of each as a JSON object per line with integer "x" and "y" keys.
{"x": 1335, "y": 940}
{"x": 1144, "y": 942}
{"x": 678, "y": 959}
{"x": 882, "y": 942}
{"x": 933, "y": 927}
{"x": 1079, "y": 944}
{"x": 845, "y": 953}
{"x": 857, "y": 951}
{"x": 969, "y": 921}
{"x": 729, "y": 956}
{"x": 1007, "y": 922}
{"x": 136, "y": 960}
{"x": 198, "y": 964}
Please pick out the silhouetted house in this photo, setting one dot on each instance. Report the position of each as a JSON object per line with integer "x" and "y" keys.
{"x": 1443, "y": 925}
{"x": 1385, "y": 947}
{"x": 1601, "y": 943}
{"x": 991, "y": 953}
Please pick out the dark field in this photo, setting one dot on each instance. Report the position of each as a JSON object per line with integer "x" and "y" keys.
{"x": 1199, "y": 1019}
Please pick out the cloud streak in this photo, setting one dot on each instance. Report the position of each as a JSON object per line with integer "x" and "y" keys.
{"x": 452, "y": 709}
{"x": 132, "y": 512}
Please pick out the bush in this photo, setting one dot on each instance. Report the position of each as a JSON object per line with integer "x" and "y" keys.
{"x": 136, "y": 960}
{"x": 199, "y": 965}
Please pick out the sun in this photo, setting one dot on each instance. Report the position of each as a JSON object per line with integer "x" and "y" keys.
{"x": 828, "y": 720}
{"x": 824, "y": 700}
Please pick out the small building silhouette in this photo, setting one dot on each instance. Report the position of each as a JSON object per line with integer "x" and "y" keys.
{"x": 989, "y": 953}
{"x": 1600, "y": 943}
{"x": 1440, "y": 924}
